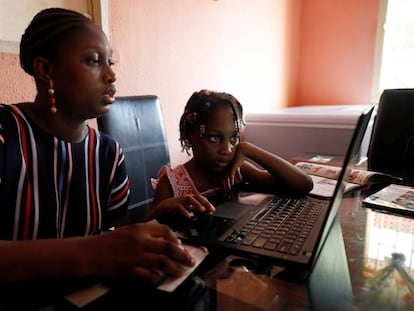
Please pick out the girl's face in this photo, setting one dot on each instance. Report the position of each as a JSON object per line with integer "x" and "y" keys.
{"x": 82, "y": 74}
{"x": 215, "y": 149}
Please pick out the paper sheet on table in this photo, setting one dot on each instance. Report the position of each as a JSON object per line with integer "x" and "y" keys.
{"x": 198, "y": 253}
{"x": 86, "y": 295}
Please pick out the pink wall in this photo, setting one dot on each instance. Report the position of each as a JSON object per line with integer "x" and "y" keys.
{"x": 337, "y": 52}
{"x": 268, "y": 53}
{"x": 177, "y": 47}
{"x": 15, "y": 84}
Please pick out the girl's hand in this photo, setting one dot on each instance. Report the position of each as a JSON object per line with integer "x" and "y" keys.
{"x": 232, "y": 174}
{"x": 185, "y": 205}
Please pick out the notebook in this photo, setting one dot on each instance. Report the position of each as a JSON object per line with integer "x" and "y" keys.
{"x": 393, "y": 198}
{"x": 253, "y": 224}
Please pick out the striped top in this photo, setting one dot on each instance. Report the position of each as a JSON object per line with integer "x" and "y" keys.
{"x": 50, "y": 188}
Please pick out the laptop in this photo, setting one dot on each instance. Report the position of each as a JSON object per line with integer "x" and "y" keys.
{"x": 260, "y": 225}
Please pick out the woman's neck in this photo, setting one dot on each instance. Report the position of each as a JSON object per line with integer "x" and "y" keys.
{"x": 55, "y": 124}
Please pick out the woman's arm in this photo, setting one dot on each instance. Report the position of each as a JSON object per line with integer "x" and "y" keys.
{"x": 143, "y": 250}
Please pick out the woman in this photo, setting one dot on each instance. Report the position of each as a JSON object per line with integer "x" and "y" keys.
{"x": 62, "y": 183}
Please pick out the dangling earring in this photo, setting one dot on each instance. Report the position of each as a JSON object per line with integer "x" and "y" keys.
{"x": 52, "y": 99}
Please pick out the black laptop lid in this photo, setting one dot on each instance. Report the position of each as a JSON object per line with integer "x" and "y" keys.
{"x": 350, "y": 160}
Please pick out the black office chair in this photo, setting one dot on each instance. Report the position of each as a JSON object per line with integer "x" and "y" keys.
{"x": 391, "y": 148}
{"x": 136, "y": 122}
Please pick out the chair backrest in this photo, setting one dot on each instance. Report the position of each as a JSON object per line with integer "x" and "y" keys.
{"x": 391, "y": 148}
{"x": 136, "y": 122}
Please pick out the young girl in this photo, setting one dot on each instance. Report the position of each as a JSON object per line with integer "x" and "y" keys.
{"x": 211, "y": 127}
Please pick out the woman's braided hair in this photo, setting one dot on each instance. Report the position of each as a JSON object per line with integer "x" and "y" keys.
{"x": 45, "y": 31}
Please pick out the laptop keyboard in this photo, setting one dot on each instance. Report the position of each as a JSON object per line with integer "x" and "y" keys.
{"x": 282, "y": 225}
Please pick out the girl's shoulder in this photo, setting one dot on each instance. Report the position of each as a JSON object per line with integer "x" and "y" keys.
{"x": 178, "y": 177}
{"x": 166, "y": 169}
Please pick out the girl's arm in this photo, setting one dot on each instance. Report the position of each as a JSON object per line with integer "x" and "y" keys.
{"x": 165, "y": 204}
{"x": 274, "y": 172}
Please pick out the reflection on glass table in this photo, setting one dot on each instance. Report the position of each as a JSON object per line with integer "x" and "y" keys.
{"x": 388, "y": 265}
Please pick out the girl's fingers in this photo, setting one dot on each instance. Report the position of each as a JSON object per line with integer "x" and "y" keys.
{"x": 200, "y": 203}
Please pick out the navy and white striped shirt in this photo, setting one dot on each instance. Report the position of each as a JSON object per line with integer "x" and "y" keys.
{"x": 50, "y": 188}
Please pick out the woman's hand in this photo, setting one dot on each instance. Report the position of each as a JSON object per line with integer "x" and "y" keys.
{"x": 142, "y": 250}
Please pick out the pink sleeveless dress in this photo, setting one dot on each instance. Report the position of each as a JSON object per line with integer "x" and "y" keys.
{"x": 181, "y": 181}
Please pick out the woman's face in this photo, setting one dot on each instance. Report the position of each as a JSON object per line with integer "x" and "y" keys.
{"x": 82, "y": 74}
{"x": 215, "y": 149}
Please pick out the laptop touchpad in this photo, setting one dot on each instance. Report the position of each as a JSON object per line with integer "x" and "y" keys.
{"x": 231, "y": 210}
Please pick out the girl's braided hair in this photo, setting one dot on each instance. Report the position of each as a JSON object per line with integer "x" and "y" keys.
{"x": 199, "y": 107}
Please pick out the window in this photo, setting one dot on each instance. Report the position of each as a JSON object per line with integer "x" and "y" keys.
{"x": 11, "y": 27}
{"x": 395, "y": 46}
